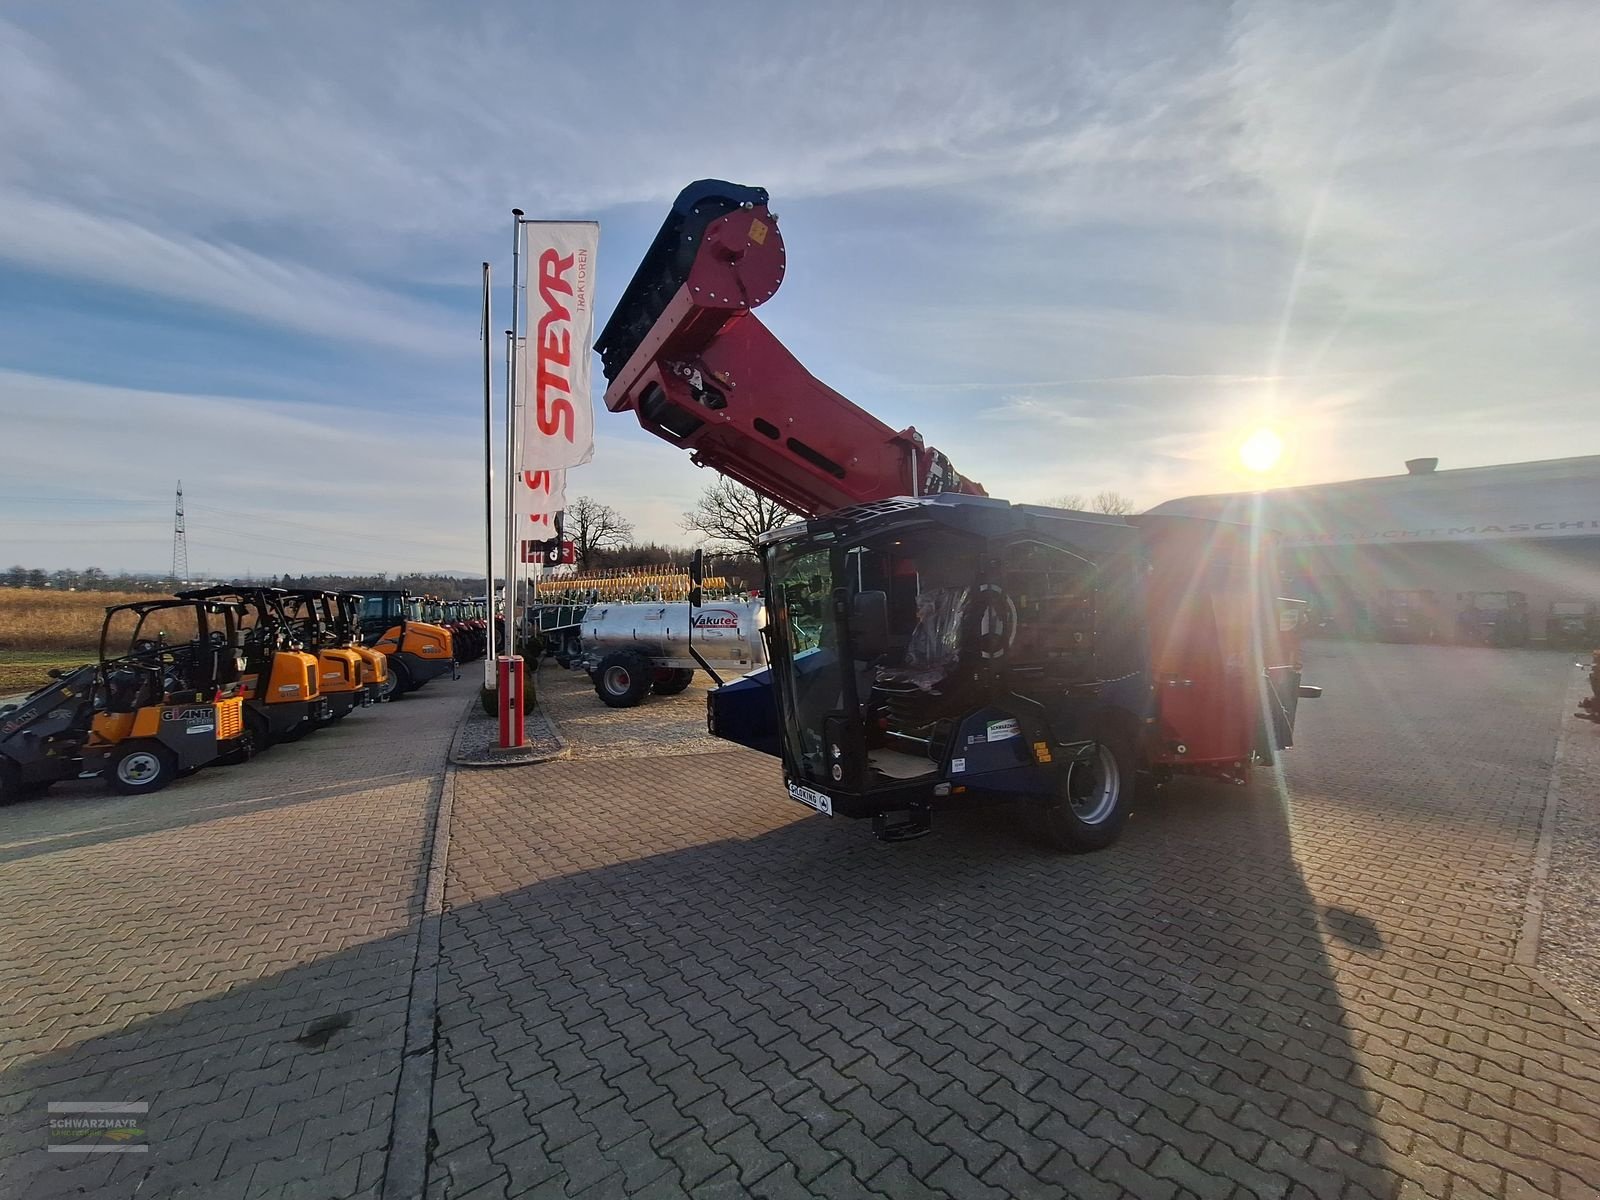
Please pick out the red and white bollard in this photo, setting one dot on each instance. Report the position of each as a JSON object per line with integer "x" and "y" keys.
{"x": 510, "y": 690}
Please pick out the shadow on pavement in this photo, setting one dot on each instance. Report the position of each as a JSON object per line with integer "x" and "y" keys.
{"x": 802, "y": 1006}
{"x": 968, "y": 1013}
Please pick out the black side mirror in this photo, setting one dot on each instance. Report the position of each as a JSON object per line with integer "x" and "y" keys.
{"x": 869, "y": 624}
{"x": 697, "y": 578}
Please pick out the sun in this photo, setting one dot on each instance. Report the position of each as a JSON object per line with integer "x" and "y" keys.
{"x": 1261, "y": 451}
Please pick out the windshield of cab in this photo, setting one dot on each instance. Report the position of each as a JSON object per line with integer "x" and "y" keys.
{"x": 911, "y": 591}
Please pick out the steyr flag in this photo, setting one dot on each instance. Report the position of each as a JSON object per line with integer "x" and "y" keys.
{"x": 544, "y": 495}
{"x": 553, "y": 375}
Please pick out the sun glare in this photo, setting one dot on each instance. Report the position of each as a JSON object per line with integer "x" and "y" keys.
{"x": 1261, "y": 450}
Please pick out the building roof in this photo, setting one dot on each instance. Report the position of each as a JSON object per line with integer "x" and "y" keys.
{"x": 1556, "y": 498}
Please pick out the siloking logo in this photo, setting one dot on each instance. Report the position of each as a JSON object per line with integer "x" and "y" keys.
{"x": 716, "y": 618}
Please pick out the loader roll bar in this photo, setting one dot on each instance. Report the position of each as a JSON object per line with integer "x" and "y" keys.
{"x": 686, "y": 354}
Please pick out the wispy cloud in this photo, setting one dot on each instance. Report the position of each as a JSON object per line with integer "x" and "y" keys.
{"x": 1077, "y": 248}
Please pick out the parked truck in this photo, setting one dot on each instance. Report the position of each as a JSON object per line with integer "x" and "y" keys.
{"x": 928, "y": 645}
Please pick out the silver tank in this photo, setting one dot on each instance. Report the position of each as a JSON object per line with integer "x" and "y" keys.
{"x": 727, "y": 633}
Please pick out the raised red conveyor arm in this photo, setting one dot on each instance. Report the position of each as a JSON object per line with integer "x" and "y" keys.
{"x": 707, "y": 375}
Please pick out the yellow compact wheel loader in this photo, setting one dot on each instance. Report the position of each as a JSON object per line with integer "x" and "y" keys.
{"x": 162, "y": 702}
{"x": 282, "y": 684}
{"x": 391, "y": 621}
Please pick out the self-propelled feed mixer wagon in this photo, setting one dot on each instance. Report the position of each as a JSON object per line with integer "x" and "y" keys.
{"x": 930, "y": 645}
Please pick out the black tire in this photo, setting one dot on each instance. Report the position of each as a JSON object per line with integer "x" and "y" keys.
{"x": 140, "y": 768}
{"x": 399, "y": 680}
{"x": 306, "y": 726}
{"x": 256, "y": 739}
{"x": 622, "y": 679}
{"x": 675, "y": 682}
{"x": 1094, "y": 796}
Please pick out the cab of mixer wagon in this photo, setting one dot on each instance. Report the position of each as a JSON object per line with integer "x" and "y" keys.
{"x": 417, "y": 650}
{"x": 955, "y": 649}
{"x": 162, "y": 702}
{"x": 282, "y": 684}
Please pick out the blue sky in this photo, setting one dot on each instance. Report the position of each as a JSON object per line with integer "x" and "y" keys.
{"x": 1080, "y": 247}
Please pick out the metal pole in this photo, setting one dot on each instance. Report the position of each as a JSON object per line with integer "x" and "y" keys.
{"x": 513, "y": 534}
{"x": 488, "y": 485}
{"x": 510, "y": 544}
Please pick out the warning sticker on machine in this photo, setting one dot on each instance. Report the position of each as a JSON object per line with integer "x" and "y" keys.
{"x": 999, "y": 731}
{"x": 957, "y": 765}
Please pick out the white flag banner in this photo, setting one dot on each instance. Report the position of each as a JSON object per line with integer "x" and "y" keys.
{"x": 544, "y": 494}
{"x": 553, "y": 371}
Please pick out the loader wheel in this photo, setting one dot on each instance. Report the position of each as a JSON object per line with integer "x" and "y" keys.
{"x": 142, "y": 767}
{"x": 622, "y": 678}
{"x": 255, "y": 739}
{"x": 399, "y": 681}
{"x": 1094, "y": 795}
{"x": 673, "y": 683}
{"x": 13, "y": 789}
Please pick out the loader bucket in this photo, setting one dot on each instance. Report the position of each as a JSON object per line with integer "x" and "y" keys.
{"x": 667, "y": 264}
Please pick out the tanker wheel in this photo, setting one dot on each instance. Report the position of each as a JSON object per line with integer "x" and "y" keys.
{"x": 622, "y": 678}
{"x": 142, "y": 767}
{"x": 1093, "y": 797}
{"x": 670, "y": 683}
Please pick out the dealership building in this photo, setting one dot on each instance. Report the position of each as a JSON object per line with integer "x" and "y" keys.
{"x": 1527, "y": 527}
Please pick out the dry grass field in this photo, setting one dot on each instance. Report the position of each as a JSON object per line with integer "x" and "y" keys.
{"x": 42, "y": 628}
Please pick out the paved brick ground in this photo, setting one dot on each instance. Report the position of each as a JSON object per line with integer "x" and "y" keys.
{"x": 661, "y": 725}
{"x": 179, "y": 948}
{"x": 662, "y": 977}
{"x": 1569, "y": 942}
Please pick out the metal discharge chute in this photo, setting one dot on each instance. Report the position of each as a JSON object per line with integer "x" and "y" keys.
{"x": 685, "y": 352}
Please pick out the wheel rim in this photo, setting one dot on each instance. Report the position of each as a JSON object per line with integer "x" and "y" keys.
{"x": 1093, "y": 787}
{"x": 138, "y": 768}
{"x": 618, "y": 680}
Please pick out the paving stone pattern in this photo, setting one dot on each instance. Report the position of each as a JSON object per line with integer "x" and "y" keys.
{"x": 236, "y": 950}
{"x": 662, "y": 725}
{"x": 1569, "y": 945}
{"x": 664, "y": 978}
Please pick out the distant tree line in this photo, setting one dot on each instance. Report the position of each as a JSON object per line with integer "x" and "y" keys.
{"x": 90, "y": 579}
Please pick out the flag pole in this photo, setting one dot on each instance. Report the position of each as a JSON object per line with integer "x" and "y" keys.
{"x": 513, "y": 538}
{"x": 488, "y": 483}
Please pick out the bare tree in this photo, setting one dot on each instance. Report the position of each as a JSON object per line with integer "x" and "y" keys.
{"x": 732, "y": 517}
{"x": 1112, "y": 503}
{"x": 593, "y": 526}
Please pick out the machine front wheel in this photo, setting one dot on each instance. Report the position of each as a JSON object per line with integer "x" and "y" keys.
{"x": 398, "y": 682}
{"x": 1094, "y": 795}
{"x": 622, "y": 679}
{"x": 142, "y": 767}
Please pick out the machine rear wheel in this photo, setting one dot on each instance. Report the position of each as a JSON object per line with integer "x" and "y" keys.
{"x": 257, "y": 737}
{"x": 674, "y": 682}
{"x": 1093, "y": 797}
{"x": 622, "y": 679}
{"x": 142, "y": 767}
